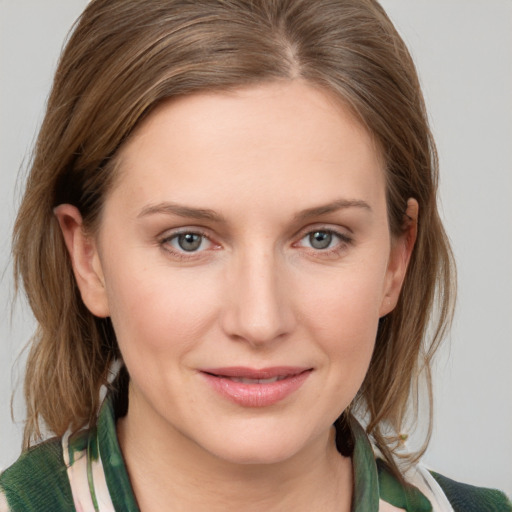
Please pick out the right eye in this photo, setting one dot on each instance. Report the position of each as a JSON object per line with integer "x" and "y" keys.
{"x": 188, "y": 242}
{"x": 321, "y": 239}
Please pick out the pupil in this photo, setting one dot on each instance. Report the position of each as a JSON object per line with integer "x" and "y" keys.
{"x": 189, "y": 241}
{"x": 320, "y": 239}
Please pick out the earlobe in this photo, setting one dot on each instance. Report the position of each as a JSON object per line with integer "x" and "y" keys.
{"x": 83, "y": 251}
{"x": 400, "y": 256}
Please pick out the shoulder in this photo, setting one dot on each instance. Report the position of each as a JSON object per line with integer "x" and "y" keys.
{"x": 37, "y": 481}
{"x": 468, "y": 498}
{"x": 422, "y": 490}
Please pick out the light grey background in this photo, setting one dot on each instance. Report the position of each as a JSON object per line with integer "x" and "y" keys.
{"x": 463, "y": 49}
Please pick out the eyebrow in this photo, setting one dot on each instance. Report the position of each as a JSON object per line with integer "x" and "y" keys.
{"x": 339, "y": 204}
{"x": 169, "y": 208}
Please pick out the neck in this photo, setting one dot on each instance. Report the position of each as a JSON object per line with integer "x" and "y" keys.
{"x": 166, "y": 468}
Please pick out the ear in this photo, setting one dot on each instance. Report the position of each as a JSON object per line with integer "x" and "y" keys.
{"x": 85, "y": 259}
{"x": 400, "y": 254}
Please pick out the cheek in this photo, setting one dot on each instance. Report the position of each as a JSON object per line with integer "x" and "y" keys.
{"x": 343, "y": 313}
{"x": 347, "y": 294}
{"x": 154, "y": 310}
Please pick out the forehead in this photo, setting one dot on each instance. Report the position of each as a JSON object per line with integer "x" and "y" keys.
{"x": 288, "y": 137}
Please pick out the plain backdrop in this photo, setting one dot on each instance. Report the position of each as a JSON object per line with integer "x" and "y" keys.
{"x": 463, "y": 50}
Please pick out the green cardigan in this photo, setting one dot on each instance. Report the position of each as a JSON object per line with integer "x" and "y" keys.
{"x": 86, "y": 473}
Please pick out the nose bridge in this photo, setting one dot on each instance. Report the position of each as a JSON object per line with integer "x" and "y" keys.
{"x": 259, "y": 309}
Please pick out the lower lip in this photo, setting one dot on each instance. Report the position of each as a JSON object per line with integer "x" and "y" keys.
{"x": 256, "y": 395}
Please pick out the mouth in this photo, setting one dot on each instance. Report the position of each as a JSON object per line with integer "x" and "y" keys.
{"x": 250, "y": 387}
{"x": 245, "y": 380}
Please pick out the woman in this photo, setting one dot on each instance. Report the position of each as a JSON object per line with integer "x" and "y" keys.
{"x": 233, "y": 204}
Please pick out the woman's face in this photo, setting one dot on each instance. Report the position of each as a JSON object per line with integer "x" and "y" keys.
{"x": 245, "y": 259}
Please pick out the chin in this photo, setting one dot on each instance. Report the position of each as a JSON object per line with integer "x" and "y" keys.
{"x": 262, "y": 454}
{"x": 259, "y": 446}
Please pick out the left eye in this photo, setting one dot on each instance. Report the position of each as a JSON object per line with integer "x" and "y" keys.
{"x": 189, "y": 242}
{"x": 321, "y": 239}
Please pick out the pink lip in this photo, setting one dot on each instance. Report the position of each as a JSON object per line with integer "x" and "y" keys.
{"x": 257, "y": 394}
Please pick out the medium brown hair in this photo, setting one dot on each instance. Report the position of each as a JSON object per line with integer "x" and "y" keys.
{"x": 123, "y": 58}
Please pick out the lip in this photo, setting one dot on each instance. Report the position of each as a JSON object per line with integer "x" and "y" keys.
{"x": 256, "y": 394}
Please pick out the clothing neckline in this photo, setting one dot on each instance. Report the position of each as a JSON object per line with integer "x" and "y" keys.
{"x": 368, "y": 474}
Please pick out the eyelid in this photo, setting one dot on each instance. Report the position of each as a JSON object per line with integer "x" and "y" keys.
{"x": 342, "y": 232}
{"x": 172, "y": 233}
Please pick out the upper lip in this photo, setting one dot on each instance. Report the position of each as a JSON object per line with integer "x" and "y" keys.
{"x": 253, "y": 373}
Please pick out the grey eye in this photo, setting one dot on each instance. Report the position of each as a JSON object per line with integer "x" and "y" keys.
{"x": 320, "y": 239}
{"x": 189, "y": 242}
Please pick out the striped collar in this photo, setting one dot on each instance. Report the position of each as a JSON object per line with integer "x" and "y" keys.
{"x": 99, "y": 479}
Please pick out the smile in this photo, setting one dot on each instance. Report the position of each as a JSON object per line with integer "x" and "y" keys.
{"x": 256, "y": 388}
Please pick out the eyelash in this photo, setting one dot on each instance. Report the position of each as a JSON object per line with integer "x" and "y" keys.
{"x": 343, "y": 241}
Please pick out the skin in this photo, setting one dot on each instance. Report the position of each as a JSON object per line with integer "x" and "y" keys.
{"x": 256, "y": 293}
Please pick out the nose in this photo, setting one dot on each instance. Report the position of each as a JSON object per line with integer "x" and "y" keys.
{"x": 258, "y": 304}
